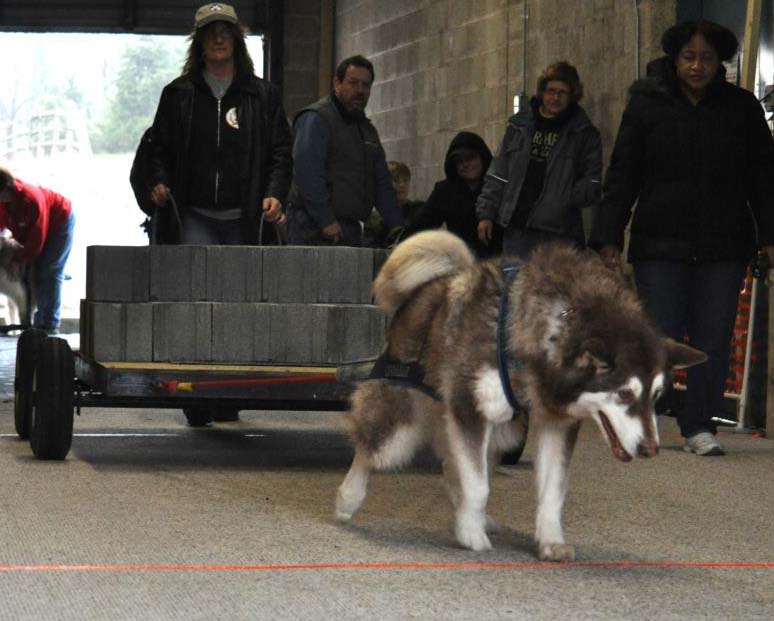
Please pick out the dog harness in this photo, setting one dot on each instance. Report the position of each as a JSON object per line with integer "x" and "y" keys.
{"x": 412, "y": 374}
{"x": 510, "y": 268}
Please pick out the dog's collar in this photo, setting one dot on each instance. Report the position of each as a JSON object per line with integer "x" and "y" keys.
{"x": 510, "y": 268}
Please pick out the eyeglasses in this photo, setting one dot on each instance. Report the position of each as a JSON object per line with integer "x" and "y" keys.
{"x": 557, "y": 92}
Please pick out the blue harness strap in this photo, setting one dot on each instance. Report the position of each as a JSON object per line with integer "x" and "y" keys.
{"x": 510, "y": 269}
{"x": 412, "y": 374}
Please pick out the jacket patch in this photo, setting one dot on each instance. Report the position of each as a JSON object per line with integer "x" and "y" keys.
{"x": 232, "y": 119}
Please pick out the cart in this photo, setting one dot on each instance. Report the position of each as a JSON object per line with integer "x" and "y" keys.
{"x": 52, "y": 383}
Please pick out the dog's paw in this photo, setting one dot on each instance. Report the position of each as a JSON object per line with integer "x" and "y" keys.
{"x": 473, "y": 538}
{"x": 346, "y": 506}
{"x": 557, "y": 552}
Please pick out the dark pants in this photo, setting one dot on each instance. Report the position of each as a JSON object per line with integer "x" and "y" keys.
{"x": 302, "y": 231}
{"x": 700, "y": 301}
{"x": 521, "y": 242}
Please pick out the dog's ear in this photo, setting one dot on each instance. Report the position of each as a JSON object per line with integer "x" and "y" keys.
{"x": 593, "y": 353}
{"x": 681, "y": 356}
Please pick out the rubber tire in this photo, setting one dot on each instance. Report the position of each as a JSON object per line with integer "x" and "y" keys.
{"x": 51, "y": 431}
{"x": 198, "y": 416}
{"x": 27, "y": 348}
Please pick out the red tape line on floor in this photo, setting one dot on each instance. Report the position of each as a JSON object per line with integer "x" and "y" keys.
{"x": 388, "y": 566}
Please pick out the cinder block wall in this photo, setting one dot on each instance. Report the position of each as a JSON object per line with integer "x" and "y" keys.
{"x": 447, "y": 65}
{"x": 302, "y": 51}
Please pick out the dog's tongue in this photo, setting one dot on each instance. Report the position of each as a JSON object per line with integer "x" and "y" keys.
{"x": 620, "y": 453}
{"x": 615, "y": 443}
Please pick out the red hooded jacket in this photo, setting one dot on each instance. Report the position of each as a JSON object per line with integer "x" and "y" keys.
{"x": 31, "y": 214}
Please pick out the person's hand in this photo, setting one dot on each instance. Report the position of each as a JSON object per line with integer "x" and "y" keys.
{"x": 272, "y": 208}
{"x": 333, "y": 231}
{"x": 485, "y": 231}
{"x": 159, "y": 195}
{"x": 611, "y": 257}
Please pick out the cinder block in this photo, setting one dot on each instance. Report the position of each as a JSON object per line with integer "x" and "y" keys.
{"x": 182, "y": 332}
{"x": 355, "y": 332}
{"x": 290, "y": 274}
{"x": 114, "y": 332}
{"x": 345, "y": 275}
{"x": 117, "y": 273}
{"x": 380, "y": 258}
{"x": 295, "y": 334}
{"x": 234, "y": 273}
{"x": 240, "y": 332}
{"x": 178, "y": 273}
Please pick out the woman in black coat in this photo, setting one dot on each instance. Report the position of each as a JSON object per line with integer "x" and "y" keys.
{"x": 695, "y": 154}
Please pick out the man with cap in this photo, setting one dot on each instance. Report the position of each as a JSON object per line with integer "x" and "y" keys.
{"x": 221, "y": 141}
{"x": 339, "y": 168}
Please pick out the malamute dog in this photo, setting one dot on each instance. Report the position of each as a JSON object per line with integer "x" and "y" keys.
{"x": 578, "y": 346}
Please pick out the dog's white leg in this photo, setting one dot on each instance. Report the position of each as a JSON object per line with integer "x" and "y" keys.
{"x": 554, "y": 449}
{"x": 471, "y": 493}
{"x": 352, "y": 491}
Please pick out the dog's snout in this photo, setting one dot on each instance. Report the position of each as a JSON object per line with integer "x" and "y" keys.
{"x": 647, "y": 448}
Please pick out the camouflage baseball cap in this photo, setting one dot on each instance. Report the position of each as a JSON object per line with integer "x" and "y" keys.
{"x": 214, "y": 11}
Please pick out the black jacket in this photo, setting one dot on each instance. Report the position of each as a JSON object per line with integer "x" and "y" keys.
{"x": 702, "y": 176}
{"x": 572, "y": 178}
{"x": 253, "y": 158}
{"x": 453, "y": 203}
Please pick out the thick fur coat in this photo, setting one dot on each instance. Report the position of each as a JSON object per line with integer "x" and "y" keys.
{"x": 584, "y": 349}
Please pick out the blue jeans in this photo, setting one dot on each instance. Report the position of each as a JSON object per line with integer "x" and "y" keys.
{"x": 700, "y": 301}
{"x": 47, "y": 275}
{"x": 203, "y": 231}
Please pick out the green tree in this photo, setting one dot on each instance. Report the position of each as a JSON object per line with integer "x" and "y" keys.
{"x": 145, "y": 67}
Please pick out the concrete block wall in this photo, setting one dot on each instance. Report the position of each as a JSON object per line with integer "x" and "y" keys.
{"x": 301, "y": 47}
{"x": 443, "y": 66}
{"x": 231, "y": 304}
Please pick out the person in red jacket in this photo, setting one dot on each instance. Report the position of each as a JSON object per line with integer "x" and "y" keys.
{"x": 42, "y": 222}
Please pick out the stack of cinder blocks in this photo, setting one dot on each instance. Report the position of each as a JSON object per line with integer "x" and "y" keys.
{"x": 231, "y": 304}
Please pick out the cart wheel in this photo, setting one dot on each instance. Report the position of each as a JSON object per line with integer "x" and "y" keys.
{"x": 198, "y": 417}
{"x": 51, "y": 428}
{"x": 27, "y": 348}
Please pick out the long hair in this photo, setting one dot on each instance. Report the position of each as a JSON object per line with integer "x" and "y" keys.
{"x": 194, "y": 62}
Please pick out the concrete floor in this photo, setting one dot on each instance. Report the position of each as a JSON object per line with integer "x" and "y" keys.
{"x": 150, "y": 519}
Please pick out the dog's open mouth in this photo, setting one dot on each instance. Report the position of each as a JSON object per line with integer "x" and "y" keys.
{"x": 615, "y": 444}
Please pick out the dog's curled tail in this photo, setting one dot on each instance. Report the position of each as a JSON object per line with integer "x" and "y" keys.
{"x": 418, "y": 260}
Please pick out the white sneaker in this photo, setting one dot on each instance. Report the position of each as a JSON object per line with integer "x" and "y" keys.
{"x": 704, "y": 444}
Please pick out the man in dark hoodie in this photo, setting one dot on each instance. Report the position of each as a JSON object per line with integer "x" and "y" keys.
{"x": 696, "y": 156}
{"x": 548, "y": 167}
{"x": 339, "y": 167}
{"x": 453, "y": 200}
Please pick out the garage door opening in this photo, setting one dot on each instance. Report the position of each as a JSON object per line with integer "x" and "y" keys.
{"x": 71, "y": 116}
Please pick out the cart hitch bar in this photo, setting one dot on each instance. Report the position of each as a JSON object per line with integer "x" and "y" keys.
{"x": 173, "y": 386}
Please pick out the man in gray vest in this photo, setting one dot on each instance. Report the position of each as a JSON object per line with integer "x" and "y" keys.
{"x": 339, "y": 168}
